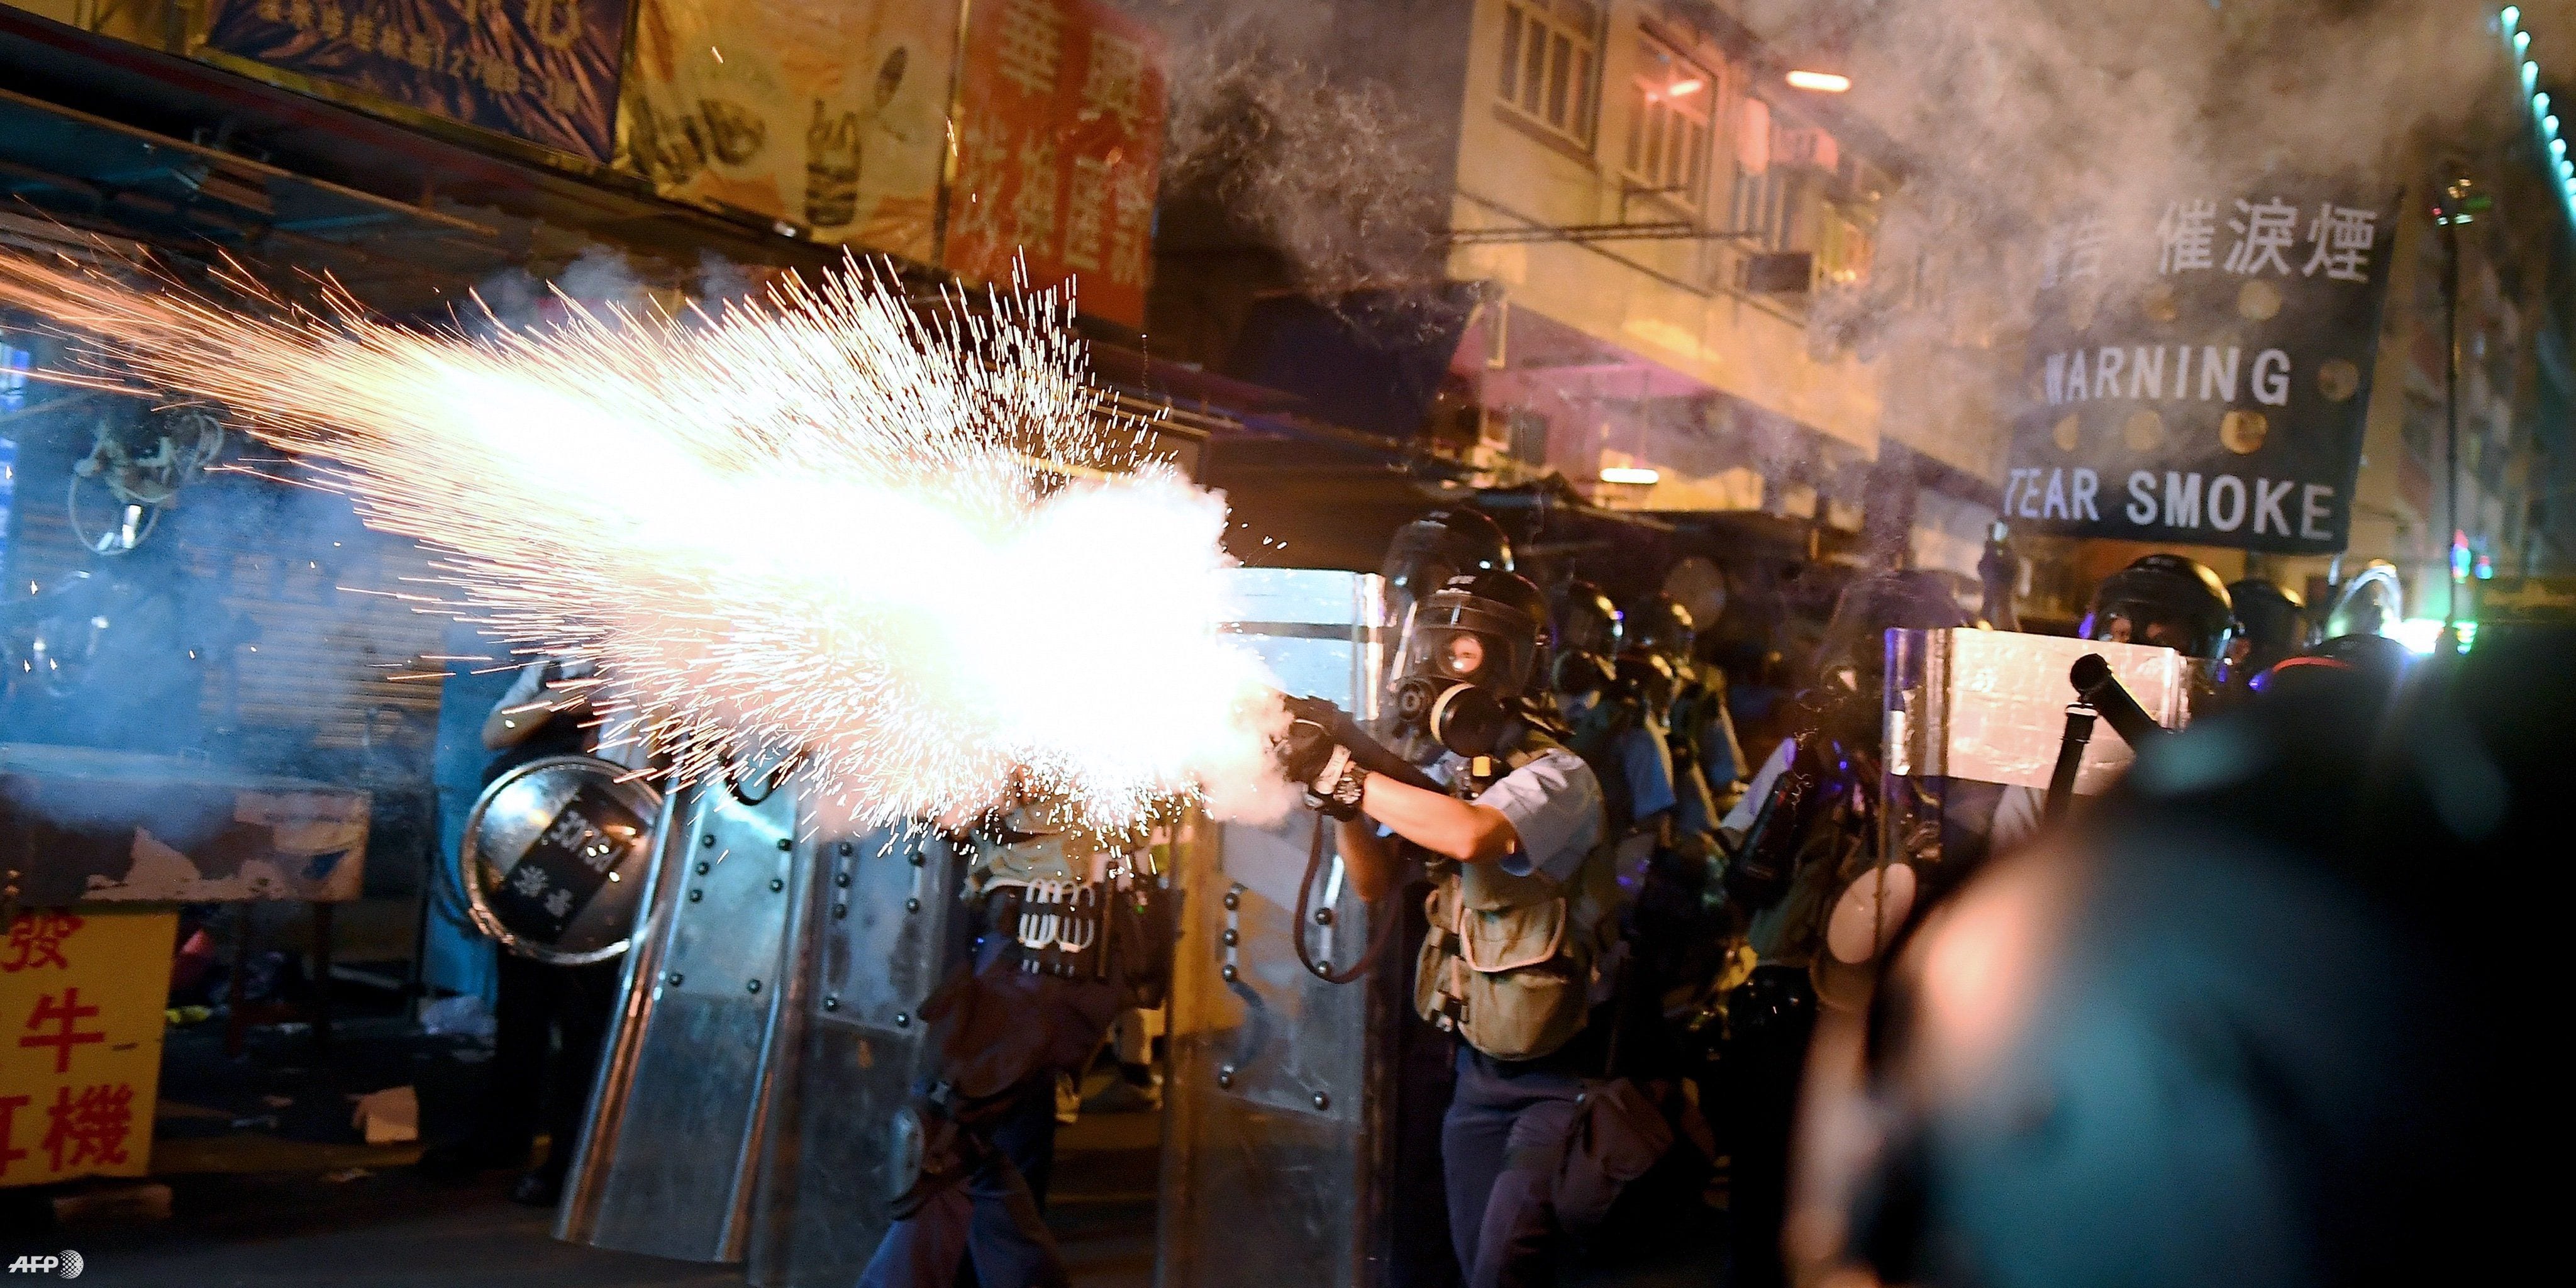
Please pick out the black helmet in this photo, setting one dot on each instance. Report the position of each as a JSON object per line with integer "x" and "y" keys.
{"x": 1586, "y": 620}
{"x": 2362, "y": 664}
{"x": 2269, "y": 614}
{"x": 2165, "y": 600}
{"x": 1586, "y": 638}
{"x": 1663, "y": 627}
{"x": 1648, "y": 676}
{"x": 1913, "y": 600}
{"x": 1443, "y": 544}
{"x": 1481, "y": 629}
{"x": 2271, "y": 624}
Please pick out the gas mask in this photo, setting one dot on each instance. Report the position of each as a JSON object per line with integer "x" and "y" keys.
{"x": 1468, "y": 650}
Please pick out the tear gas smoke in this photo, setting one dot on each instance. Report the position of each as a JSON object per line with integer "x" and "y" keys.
{"x": 1331, "y": 172}
{"x": 819, "y": 524}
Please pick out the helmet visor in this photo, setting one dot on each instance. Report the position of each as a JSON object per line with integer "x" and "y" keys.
{"x": 1471, "y": 640}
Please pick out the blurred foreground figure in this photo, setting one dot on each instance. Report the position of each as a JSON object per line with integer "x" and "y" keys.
{"x": 2260, "y": 1020}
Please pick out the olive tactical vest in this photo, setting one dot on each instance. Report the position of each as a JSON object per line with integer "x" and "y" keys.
{"x": 1509, "y": 961}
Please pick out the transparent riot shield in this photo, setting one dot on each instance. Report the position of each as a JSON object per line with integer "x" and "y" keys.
{"x": 1273, "y": 1147}
{"x": 1974, "y": 720}
{"x": 670, "y": 1150}
{"x": 880, "y": 935}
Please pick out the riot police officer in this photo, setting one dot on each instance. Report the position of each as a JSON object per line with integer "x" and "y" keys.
{"x": 1609, "y": 706}
{"x": 1049, "y": 903}
{"x": 1708, "y": 763}
{"x": 1424, "y": 555}
{"x": 2272, "y": 624}
{"x": 1803, "y": 836}
{"x": 1440, "y": 545}
{"x": 1511, "y": 825}
{"x": 550, "y": 1021}
{"x": 2166, "y": 600}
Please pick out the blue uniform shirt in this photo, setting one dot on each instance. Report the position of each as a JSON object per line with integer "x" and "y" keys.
{"x": 1554, "y": 804}
{"x": 1649, "y": 762}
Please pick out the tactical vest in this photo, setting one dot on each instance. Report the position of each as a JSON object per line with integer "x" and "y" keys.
{"x": 1508, "y": 963}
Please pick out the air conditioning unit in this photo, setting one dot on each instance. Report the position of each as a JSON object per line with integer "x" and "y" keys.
{"x": 1784, "y": 272}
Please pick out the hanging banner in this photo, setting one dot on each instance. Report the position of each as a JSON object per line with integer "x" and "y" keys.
{"x": 2203, "y": 376}
{"x": 1059, "y": 148}
{"x": 540, "y": 70}
{"x": 830, "y": 115}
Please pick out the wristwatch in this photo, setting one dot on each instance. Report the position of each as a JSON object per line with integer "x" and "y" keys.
{"x": 1344, "y": 800}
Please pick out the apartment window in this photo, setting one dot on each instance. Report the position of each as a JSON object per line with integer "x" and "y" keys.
{"x": 1762, "y": 207}
{"x": 1669, "y": 109}
{"x": 1844, "y": 250}
{"x": 1548, "y": 55}
{"x": 1525, "y": 436}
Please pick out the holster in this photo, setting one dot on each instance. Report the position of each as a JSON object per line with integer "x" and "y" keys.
{"x": 1618, "y": 1136}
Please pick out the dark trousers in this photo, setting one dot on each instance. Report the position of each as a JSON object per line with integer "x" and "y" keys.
{"x": 1765, "y": 1065}
{"x": 549, "y": 1024}
{"x": 993, "y": 1221}
{"x": 1504, "y": 1136}
{"x": 1420, "y": 1253}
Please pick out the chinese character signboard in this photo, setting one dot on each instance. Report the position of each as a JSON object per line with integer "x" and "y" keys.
{"x": 827, "y": 114}
{"x": 81, "y": 998}
{"x": 1058, "y": 149}
{"x": 2203, "y": 378}
{"x": 541, "y": 70}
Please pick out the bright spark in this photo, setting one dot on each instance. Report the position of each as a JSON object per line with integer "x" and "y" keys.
{"x": 818, "y": 524}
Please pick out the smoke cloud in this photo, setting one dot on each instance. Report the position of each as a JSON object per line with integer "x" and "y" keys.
{"x": 1328, "y": 169}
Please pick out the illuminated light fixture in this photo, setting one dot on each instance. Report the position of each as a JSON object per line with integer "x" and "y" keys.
{"x": 1821, "y": 82}
{"x": 2518, "y": 44}
{"x": 1681, "y": 87}
{"x": 2421, "y": 635}
{"x": 1636, "y": 474}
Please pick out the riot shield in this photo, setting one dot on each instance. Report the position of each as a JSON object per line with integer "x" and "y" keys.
{"x": 553, "y": 859}
{"x": 684, "y": 1095}
{"x": 880, "y": 934}
{"x": 1274, "y": 1145}
{"x": 1972, "y": 718}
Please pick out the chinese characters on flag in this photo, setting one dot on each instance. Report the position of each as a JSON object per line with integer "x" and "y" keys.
{"x": 2199, "y": 369}
{"x": 1058, "y": 148}
{"x": 81, "y": 997}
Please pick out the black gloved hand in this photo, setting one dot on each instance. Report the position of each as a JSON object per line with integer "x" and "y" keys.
{"x": 1315, "y": 728}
